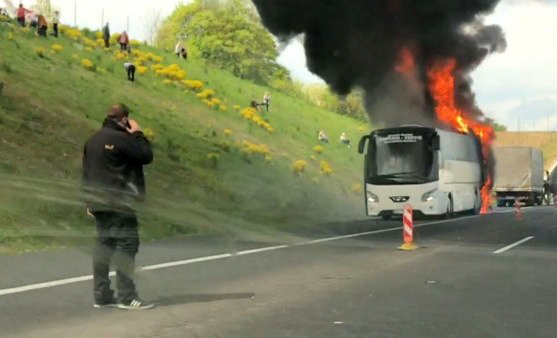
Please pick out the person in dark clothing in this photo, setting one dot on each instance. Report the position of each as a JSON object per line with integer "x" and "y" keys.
{"x": 106, "y": 35}
{"x": 130, "y": 69}
{"x": 42, "y": 25}
{"x": 113, "y": 182}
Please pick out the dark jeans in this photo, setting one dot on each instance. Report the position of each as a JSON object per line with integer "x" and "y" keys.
{"x": 131, "y": 73}
{"x": 123, "y": 47}
{"x": 21, "y": 21}
{"x": 107, "y": 42}
{"x": 42, "y": 31}
{"x": 117, "y": 241}
{"x": 55, "y": 29}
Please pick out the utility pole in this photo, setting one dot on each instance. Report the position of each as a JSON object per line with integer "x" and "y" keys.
{"x": 75, "y": 13}
{"x": 128, "y": 26}
{"x": 102, "y": 19}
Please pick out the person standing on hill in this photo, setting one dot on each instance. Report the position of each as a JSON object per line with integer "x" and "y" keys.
{"x": 130, "y": 69}
{"x": 20, "y": 14}
{"x": 106, "y": 35}
{"x": 55, "y": 22}
{"x": 124, "y": 40}
{"x": 113, "y": 180}
{"x": 267, "y": 100}
{"x": 42, "y": 25}
{"x": 178, "y": 49}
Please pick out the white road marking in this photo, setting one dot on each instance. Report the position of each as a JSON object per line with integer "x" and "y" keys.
{"x": 79, "y": 279}
{"x": 515, "y": 244}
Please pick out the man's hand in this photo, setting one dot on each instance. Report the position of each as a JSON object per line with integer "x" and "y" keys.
{"x": 134, "y": 126}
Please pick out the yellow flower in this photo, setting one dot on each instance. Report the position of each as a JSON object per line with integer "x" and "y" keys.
{"x": 142, "y": 70}
{"x": 299, "y": 167}
{"x": 227, "y": 132}
{"x": 135, "y": 43}
{"x": 237, "y": 107}
{"x": 87, "y": 64}
{"x": 253, "y": 148}
{"x": 10, "y": 35}
{"x": 223, "y": 108}
{"x": 357, "y": 188}
{"x": 100, "y": 42}
{"x": 167, "y": 81}
{"x": 89, "y": 49}
{"x": 318, "y": 149}
{"x": 326, "y": 168}
{"x": 40, "y": 51}
{"x": 361, "y": 129}
{"x": 57, "y": 48}
{"x": 149, "y": 134}
{"x": 313, "y": 157}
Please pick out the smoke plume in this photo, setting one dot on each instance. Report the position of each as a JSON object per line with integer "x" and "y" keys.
{"x": 386, "y": 47}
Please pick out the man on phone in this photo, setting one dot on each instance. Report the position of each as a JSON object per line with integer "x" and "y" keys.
{"x": 113, "y": 183}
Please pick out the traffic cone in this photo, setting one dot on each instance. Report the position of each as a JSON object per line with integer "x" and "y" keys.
{"x": 517, "y": 210}
{"x": 408, "y": 229}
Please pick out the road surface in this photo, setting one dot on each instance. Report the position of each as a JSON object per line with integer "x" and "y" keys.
{"x": 488, "y": 276}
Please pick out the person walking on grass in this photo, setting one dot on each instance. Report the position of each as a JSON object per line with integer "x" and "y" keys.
{"x": 106, "y": 35}
{"x": 42, "y": 25}
{"x": 21, "y": 13}
{"x": 124, "y": 40}
{"x": 113, "y": 182}
{"x": 130, "y": 69}
{"x": 267, "y": 100}
{"x": 178, "y": 49}
{"x": 55, "y": 22}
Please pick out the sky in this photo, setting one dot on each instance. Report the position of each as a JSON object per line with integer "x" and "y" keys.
{"x": 517, "y": 88}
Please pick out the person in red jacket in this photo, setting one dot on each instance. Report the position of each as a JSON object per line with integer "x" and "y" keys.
{"x": 124, "y": 40}
{"x": 20, "y": 13}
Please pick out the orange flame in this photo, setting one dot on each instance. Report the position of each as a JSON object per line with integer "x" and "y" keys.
{"x": 442, "y": 89}
{"x": 406, "y": 63}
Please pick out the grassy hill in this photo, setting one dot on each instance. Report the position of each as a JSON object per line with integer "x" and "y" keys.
{"x": 215, "y": 171}
{"x": 547, "y": 141}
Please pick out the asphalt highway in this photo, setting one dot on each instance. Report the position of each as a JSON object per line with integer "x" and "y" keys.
{"x": 473, "y": 276}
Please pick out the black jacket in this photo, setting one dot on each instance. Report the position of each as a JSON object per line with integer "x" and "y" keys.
{"x": 113, "y": 161}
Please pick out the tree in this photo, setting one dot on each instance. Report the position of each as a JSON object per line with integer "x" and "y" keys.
{"x": 173, "y": 27}
{"x": 233, "y": 39}
{"x": 44, "y": 7}
{"x": 154, "y": 21}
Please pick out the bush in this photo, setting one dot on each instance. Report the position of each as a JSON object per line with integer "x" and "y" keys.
{"x": 318, "y": 149}
{"x": 299, "y": 167}
{"x": 56, "y": 48}
{"x": 40, "y": 52}
{"x": 88, "y": 64}
{"x": 326, "y": 168}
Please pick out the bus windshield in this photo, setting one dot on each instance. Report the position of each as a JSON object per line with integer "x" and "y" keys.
{"x": 402, "y": 158}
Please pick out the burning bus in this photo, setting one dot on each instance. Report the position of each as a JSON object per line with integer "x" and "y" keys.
{"x": 438, "y": 172}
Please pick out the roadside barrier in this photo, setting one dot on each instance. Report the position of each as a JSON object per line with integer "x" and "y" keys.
{"x": 408, "y": 229}
{"x": 517, "y": 210}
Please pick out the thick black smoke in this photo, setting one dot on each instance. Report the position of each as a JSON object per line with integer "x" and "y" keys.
{"x": 357, "y": 43}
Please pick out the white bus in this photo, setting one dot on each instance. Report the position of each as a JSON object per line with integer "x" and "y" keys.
{"x": 437, "y": 172}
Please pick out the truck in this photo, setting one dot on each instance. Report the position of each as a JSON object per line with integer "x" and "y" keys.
{"x": 519, "y": 176}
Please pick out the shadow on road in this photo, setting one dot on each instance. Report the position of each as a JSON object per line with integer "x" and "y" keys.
{"x": 202, "y": 298}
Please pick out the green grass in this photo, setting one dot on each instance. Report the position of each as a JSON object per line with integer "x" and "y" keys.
{"x": 50, "y": 105}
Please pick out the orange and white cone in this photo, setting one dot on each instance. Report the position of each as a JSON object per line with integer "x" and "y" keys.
{"x": 408, "y": 229}
{"x": 517, "y": 210}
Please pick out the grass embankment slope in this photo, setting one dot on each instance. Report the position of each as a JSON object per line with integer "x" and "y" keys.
{"x": 204, "y": 180}
{"x": 546, "y": 141}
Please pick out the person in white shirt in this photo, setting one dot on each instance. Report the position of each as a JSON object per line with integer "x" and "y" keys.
{"x": 322, "y": 137}
{"x": 130, "y": 68}
{"x": 55, "y": 22}
{"x": 178, "y": 49}
{"x": 345, "y": 140}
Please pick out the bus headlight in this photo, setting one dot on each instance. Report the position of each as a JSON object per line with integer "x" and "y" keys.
{"x": 428, "y": 196}
{"x": 372, "y": 198}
